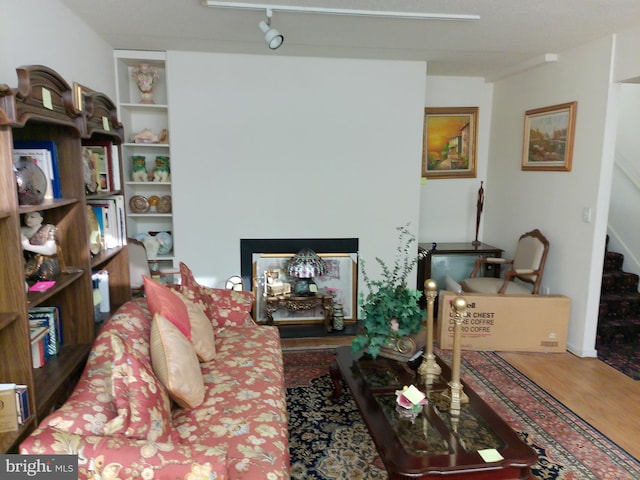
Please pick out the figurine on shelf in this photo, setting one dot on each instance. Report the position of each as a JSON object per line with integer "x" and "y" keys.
{"x": 139, "y": 166}
{"x": 41, "y": 249}
{"x": 161, "y": 172}
{"x": 146, "y": 77}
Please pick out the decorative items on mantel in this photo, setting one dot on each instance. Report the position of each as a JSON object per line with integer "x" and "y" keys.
{"x": 392, "y": 317}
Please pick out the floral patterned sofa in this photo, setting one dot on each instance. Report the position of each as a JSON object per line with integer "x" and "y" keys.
{"x": 123, "y": 422}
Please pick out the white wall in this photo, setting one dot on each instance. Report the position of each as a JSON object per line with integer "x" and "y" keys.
{"x": 554, "y": 201}
{"x": 627, "y": 61}
{"x": 448, "y": 206}
{"x": 283, "y": 147}
{"x": 46, "y": 32}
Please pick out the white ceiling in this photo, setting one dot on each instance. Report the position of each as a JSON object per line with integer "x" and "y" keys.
{"x": 509, "y": 32}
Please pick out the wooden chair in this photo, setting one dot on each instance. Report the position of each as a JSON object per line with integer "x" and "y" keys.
{"x": 527, "y": 266}
{"x": 138, "y": 266}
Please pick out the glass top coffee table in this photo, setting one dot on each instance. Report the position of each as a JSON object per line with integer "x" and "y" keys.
{"x": 432, "y": 443}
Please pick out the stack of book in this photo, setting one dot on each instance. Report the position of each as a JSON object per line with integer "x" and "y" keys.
{"x": 14, "y": 406}
{"x": 110, "y": 215}
{"x": 101, "y": 164}
{"x": 46, "y": 334}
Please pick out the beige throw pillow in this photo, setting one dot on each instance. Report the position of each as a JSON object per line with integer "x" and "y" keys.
{"x": 202, "y": 336}
{"x": 175, "y": 363}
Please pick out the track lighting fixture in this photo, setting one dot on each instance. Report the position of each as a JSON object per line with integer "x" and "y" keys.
{"x": 272, "y": 36}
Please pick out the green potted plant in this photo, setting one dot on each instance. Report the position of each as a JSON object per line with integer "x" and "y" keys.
{"x": 390, "y": 310}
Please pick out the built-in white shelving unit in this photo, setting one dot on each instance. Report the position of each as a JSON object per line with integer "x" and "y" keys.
{"x": 136, "y": 117}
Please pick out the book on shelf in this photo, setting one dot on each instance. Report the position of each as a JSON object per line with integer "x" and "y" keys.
{"x": 100, "y": 152}
{"x": 115, "y": 171}
{"x": 22, "y": 403}
{"x": 39, "y": 340}
{"x": 45, "y": 155}
{"x": 110, "y": 214}
{"x": 8, "y": 408}
{"x": 48, "y": 317}
{"x": 19, "y": 408}
{"x": 101, "y": 301}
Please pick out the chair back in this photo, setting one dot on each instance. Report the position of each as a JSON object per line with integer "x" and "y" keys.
{"x": 530, "y": 258}
{"x": 138, "y": 265}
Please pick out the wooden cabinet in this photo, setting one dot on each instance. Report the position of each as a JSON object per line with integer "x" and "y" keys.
{"x": 148, "y": 211}
{"x": 41, "y": 108}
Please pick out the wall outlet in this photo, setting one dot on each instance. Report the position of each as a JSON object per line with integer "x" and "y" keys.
{"x": 546, "y": 290}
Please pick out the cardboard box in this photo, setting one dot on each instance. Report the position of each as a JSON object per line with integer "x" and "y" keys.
{"x": 508, "y": 323}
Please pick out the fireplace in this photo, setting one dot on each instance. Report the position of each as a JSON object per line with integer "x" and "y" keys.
{"x": 341, "y": 255}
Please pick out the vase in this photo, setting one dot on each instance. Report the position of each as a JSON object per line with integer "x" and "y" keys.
{"x": 31, "y": 180}
{"x": 338, "y": 317}
{"x": 403, "y": 348}
{"x": 146, "y": 77}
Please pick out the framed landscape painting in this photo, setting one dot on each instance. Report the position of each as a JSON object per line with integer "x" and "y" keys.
{"x": 450, "y": 142}
{"x": 548, "y": 138}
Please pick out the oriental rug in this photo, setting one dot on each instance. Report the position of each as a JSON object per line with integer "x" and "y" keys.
{"x": 328, "y": 440}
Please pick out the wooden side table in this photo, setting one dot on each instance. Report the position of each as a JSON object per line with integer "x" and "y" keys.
{"x": 301, "y": 303}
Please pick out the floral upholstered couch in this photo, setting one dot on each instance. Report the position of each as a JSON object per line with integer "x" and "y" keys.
{"x": 129, "y": 418}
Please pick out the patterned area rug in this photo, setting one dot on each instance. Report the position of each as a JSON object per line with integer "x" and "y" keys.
{"x": 328, "y": 440}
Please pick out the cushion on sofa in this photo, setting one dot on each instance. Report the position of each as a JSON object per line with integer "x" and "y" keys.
{"x": 202, "y": 336}
{"x": 142, "y": 402}
{"x": 223, "y": 307}
{"x": 175, "y": 363}
{"x": 161, "y": 300}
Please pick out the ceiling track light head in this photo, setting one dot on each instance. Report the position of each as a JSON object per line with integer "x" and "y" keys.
{"x": 272, "y": 37}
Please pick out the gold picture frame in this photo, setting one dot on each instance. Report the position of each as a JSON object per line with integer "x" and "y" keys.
{"x": 340, "y": 279}
{"x": 548, "y": 138}
{"x": 78, "y": 95}
{"x": 450, "y": 142}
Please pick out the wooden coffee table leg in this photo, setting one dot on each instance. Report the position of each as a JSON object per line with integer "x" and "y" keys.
{"x": 336, "y": 376}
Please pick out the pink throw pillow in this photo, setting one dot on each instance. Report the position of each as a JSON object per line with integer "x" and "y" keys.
{"x": 222, "y": 307}
{"x": 163, "y": 301}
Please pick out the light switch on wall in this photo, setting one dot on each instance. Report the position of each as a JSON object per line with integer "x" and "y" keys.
{"x": 586, "y": 214}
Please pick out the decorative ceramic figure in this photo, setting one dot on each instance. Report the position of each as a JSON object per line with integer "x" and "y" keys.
{"x": 40, "y": 245}
{"x": 338, "y": 317}
{"x": 139, "y": 164}
{"x": 32, "y": 181}
{"x": 161, "y": 172}
{"x": 146, "y": 77}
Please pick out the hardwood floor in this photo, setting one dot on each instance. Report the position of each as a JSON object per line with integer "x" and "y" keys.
{"x": 602, "y": 396}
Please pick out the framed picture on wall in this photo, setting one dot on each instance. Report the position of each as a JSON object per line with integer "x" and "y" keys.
{"x": 449, "y": 142}
{"x": 78, "y": 95}
{"x": 548, "y": 138}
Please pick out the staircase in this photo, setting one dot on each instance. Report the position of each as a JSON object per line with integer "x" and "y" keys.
{"x": 619, "y": 313}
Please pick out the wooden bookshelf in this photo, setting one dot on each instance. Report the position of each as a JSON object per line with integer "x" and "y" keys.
{"x": 41, "y": 108}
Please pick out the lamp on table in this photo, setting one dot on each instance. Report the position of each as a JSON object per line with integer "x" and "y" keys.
{"x": 304, "y": 266}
